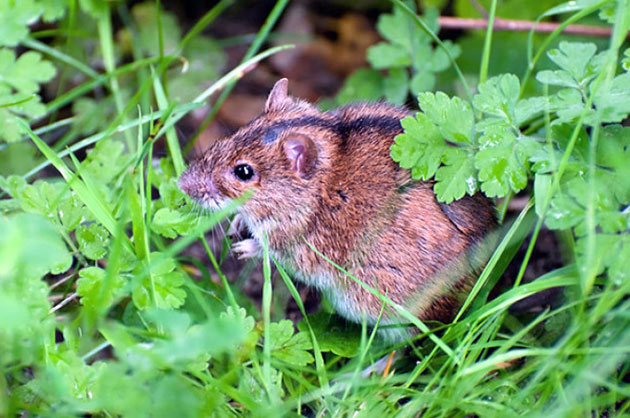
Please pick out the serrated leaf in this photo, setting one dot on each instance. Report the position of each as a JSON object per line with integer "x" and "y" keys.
{"x": 15, "y": 16}
{"x": 53, "y": 9}
{"x": 171, "y": 194}
{"x": 574, "y": 58}
{"x": 158, "y": 285}
{"x": 420, "y": 148}
{"x": 26, "y": 73}
{"x": 453, "y": 116}
{"x": 526, "y": 109}
{"x": 456, "y": 177}
{"x": 288, "y": 347}
{"x": 93, "y": 241}
{"x": 612, "y": 103}
{"x": 440, "y": 60}
{"x": 498, "y": 162}
{"x": 19, "y": 81}
{"x": 95, "y": 291}
{"x": 606, "y": 250}
{"x": 240, "y": 315}
{"x": 13, "y": 185}
{"x": 171, "y": 223}
{"x": 399, "y": 29}
{"x": 557, "y": 78}
{"x": 613, "y": 152}
{"x": 567, "y": 104}
{"x": 564, "y": 212}
{"x": 498, "y": 96}
{"x": 43, "y": 198}
{"x": 72, "y": 212}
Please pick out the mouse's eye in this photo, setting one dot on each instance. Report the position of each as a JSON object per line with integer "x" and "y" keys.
{"x": 244, "y": 172}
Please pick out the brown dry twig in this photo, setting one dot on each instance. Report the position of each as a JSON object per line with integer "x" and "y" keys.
{"x": 449, "y": 22}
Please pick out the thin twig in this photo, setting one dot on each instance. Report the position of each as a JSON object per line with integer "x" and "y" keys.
{"x": 449, "y": 22}
{"x": 61, "y": 281}
{"x": 64, "y": 302}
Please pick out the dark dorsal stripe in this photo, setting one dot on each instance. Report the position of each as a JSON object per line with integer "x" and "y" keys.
{"x": 341, "y": 127}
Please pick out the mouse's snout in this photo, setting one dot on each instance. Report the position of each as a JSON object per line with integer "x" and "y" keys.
{"x": 197, "y": 185}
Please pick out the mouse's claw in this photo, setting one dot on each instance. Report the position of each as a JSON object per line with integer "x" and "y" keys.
{"x": 247, "y": 248}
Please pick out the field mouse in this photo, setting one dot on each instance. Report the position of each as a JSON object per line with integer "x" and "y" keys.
{"x": 327, "y": 178}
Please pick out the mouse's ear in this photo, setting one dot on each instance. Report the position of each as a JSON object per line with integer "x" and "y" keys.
{"x": 279, "y": 96}
{"x": 301, "y": 152}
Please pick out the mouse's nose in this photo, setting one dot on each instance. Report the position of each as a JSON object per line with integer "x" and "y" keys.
{"x": 196, "y": 184}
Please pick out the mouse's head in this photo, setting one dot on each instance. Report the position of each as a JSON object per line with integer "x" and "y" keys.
{"x": 282, "y": 156}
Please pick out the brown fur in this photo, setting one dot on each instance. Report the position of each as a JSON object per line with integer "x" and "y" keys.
{"x": 352, "y": 202}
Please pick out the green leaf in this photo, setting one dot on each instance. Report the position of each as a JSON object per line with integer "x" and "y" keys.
{"x": 205, "y": 60}
{"x": 613, "y": 152}
{"x": 606, "y": 251}
{"x": 26, "y": 73}
{"x": 498, "y": 96}
{"x": 618, "y": 270}
{"x": 500, "y": 167}
{"x": 95, "y": 291}
{"x": 456, "y": 177}
{"x": 453, "y": 116}
{"x": 420, "y": 148}
{"x": 146, "y": 18}
{"x": 92, "y": 116}
{"x": 542, "y": 186}
{"x": 72, "y": 212}
{"x": 15, "y": 16}
{"x": 612, "y": 103}
{"x": 30, "y": 247}
{"x": 43, "y": 197}
{"x": 363, "y": 85}
{"x": 93, "y": 241}
{"x": 382, "y": 56}
{"x": 576, "y": 59}
{"x": 396, "y": 86}
{"x": 625, "y": 61}
{"x": 288, "y": 347}
{"x": 422, "y": 81}
{"x": 334, "y": 334}
{"x": 95, "y": 8}
{"x": 564, "y": 212}
{"x": 439, "y": 60}
{"x": 171, "y": 194}
{"x": 400, "y": 30}
{"x": 104, "y": 162}
{"x": 158, "y": 285}
{"x": 567, "y": 104}
{"x": 19, "y": 81}
{"x": 53, "y": 9}
{"x": 171, "y": 223}
{"x": 557, "y": 78}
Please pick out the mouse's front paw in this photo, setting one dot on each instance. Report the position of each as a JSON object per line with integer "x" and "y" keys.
{"x": 247, "y": 248}
{"x": 236, "y": 226}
